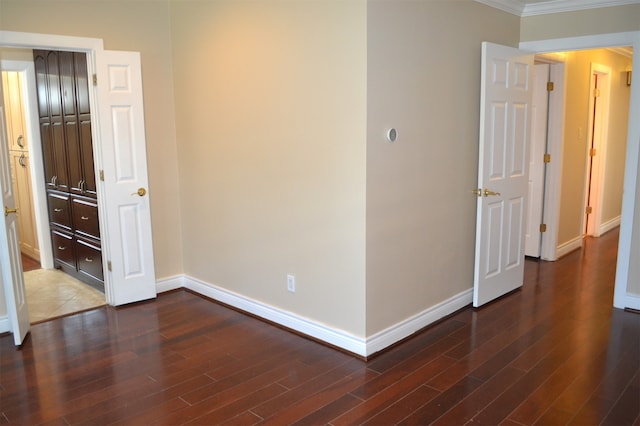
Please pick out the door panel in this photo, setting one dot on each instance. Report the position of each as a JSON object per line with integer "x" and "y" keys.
{"x": 502, "y": 171}
{"x": 125, "y": 178}
{"x": 535, "y": 190}
{"x": 12, "y": 278}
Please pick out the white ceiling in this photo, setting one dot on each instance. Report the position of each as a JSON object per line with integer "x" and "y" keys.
{"x": 543, "y": 7}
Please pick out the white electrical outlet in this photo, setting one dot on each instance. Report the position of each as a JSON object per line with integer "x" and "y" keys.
{"x": 291, "y": 283}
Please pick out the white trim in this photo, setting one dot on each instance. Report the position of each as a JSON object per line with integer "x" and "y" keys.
{"x": 582, "y": 42}
{"x": 357, "y": 345}
{"x": 609, "y": 225}
{"x": 625, "y": 51}
{"x": 566, "y": 248}
{"x": 558, "y": 6}
{"x": 406, "y": 328}
{"x": 48, "y": 41}
{"x": 170, "y": 283}
{"x": 632, "y": 301}
{"x": 339, "y": 338}
{"x": 509, "y": 6}
{"x": 522, "y": 9}
{"x": 5, "y": 325}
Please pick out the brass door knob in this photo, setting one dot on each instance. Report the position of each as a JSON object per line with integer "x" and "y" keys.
{"x": 479, "y": 192}
{"x": 487, "y": 193}
{"x": 141, "y": 192}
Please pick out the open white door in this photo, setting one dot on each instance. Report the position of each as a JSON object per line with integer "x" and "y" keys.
{"x": 131, "y": 276}
{"x": 505, "y": 112}
{"x": 537, "y": 151}
{"x": 10, "y": 261}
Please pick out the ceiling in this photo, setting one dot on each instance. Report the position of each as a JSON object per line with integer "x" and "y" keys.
{"x": 542, "y": 7}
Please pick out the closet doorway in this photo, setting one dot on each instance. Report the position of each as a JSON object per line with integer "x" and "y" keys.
{"x": 50, "y": 292}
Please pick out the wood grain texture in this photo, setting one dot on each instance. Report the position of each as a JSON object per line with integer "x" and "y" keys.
{"x": 554, "y": 352}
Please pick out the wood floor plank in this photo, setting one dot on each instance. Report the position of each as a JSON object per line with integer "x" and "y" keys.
{"x": 408, "y": 366}
{"x": 320, "y": 399}
{"x": 305, "y": 390}
{"x": 476, "y": 401}
{"x": 391, "y": 393}
{"x": 438, "y": 406}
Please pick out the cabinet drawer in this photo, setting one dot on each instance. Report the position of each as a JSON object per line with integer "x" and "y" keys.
{"x": 85, "y": 216}
{"x": 63, "y": 250}
{"x": 59, "y": 209}
{"x": 89, "y": 258}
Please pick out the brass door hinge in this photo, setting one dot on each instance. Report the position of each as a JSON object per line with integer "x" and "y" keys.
{"x": 547, "y": 158}
{"x": 588, "y": 210}
{"x": 592, "y": 152}
{"x": 543, "y": 227}
{"x": 95, "y": 79}
{"x": 109, "y": 265}
{"x": 596, "y": 93}
{"x": 102, "y": 175}
{"x": 550, "y": 86}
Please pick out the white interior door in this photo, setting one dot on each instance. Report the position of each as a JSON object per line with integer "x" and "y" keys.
{"x": 130, "y": 249}
{"x": 505, "y": 111}
{"x": 11, "y": 262}
{"x": 538, "y": 145}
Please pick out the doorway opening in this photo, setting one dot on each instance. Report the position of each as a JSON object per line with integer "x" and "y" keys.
{"x": 50, "y": 292}
{"x": 578, "y": 159}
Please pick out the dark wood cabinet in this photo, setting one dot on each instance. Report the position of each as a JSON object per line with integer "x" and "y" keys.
{"x": 65, "y": 125}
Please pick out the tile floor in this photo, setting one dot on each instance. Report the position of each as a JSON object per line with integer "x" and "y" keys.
{"x": 51, "y": 294}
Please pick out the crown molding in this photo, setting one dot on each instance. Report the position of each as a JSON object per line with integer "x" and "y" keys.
{"x": 624, "y": 51}
{"x": 522, "y": 9}
{"x": 514, "y": 7}
{"x": 558, "y": 6}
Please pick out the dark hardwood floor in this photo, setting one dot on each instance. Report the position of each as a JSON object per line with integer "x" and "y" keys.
{"x": 29, "y": 264}
{"x": 553, "y": 353}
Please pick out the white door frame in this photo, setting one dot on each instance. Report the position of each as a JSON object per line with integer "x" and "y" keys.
{"x": 630, "y": 201}
{"x": 10, "y": 39}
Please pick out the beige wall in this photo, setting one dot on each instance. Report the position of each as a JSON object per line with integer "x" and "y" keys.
{"x": 576, "y": 139}
{"x": 137, "y": 26}
{"x": 271, "y": 122}
{"x": 424, "y": 80}
{"x": 585, "y": 22}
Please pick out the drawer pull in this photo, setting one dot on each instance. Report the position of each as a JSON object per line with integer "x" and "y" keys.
{"x": 88, "y": 259}
{"x": 57, "y": 210}
{"x": 62, "y": 248}
{"x": 84, "y": 218}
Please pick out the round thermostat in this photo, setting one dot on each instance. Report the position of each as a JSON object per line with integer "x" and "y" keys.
{"x": 392, "y": 135}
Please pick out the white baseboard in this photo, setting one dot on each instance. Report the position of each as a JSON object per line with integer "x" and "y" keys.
{"x": 357, "y": 345}
{"x": 632, "y": 301}
{"x": 406, "y": 328}
{"x": 609, "y": 225}
{"x": 568, "y": 247}
{"x": 170, "y": 283}
{"x": 313, "y": 329}
{"x": 5, "y": 325}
